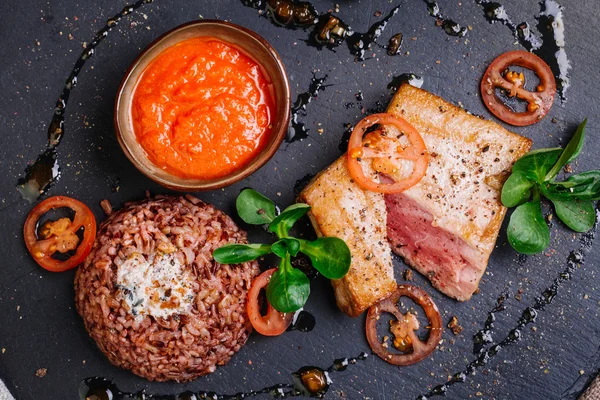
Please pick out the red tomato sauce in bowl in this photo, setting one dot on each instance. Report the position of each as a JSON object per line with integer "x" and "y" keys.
{"x": 202, "y": 109}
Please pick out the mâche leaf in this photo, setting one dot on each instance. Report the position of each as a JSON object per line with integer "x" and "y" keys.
{"x": 239, "y": 253}
{"x": 571, "y": 151}
{"x": 579, "y": 215}
{"x": 329, "y": 255}
{"x": 536, "y": 164}
{"x": 254, "y": 208}
{"x": 528, "y": 232}
{"x": 288, "y": 217}
{"x": 516, "y": 189}
{"x": 286, "y": 245}
{"x": 584, "y": 186}
{"x": 533, "y": 175}
{"x": 289, "y": 288}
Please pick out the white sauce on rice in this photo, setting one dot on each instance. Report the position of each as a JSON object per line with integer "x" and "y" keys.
{"x": 159, "y": 287}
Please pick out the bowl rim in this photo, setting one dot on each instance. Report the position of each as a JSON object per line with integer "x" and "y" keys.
{"x": 271, "y": 146}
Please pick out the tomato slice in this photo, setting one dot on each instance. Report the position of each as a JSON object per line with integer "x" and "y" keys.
{"x": 406, "y": 340}
{"x": 274, "y": 322}
{"x": 498, "y": 76}
{"x": 61, "y": 235}
{"x": 387, "y": 153}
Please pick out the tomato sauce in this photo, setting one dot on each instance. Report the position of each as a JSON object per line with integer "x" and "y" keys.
{"x": 202, "y": 109}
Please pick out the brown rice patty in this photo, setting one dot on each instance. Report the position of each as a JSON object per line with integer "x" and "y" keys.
{"x": 153, "y": 298}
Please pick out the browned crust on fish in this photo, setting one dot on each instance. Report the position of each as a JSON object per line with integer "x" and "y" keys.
{"x": 340, "y": 208}
{"x": 480, "y": 153}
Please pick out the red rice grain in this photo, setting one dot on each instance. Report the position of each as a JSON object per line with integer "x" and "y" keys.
{"x": 180, "y": 347}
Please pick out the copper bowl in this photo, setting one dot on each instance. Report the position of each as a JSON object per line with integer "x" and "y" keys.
{"x": 252, "y": 45}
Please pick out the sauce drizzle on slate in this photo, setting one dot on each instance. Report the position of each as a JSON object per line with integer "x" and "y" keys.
{"x": 328, "y": 30}
{"x": 395, "y": 83}
{"x": 301, "y": 183}
{"x": 449, "y": 26}
{"x": 495, "y": 12}
{"x": 551, "y": 24}
{"x": 343, "y": 146}
{"x": 551, "y": 47}
{"x": 359, "y": 43}
{"x": 410, "y": 78}
{"x": 575, "y": 259}
{"x": 483, "y": 337}
{"x": 298, "y": 130}
{"x": 307, "y": 381}
{"x": 303, "y": 322}
{"x": 45, "y": 171}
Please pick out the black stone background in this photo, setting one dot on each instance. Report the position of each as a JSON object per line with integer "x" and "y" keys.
{"x": 39, "y": 327}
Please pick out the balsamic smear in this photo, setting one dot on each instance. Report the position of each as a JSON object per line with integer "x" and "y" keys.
{"x": 495, "y": 12}
{"x": 307, "y": 381}
{"x": 45, "y": 170}
{"x": 298, "y": 131}
{"x": 359, "y": 99}
{"x": 551, "y": 25}
{"x": 484, "y": 336}
{"x": 378, "y": 108}
{"x": 301, "y": 183}
{"x": 343, "y": 146}
{"x": 528, "y": 316}
{"x": 410, "y": 78}
{"x": 303, "y": 322}
{"x": 396, "y": 82}
{"x": 359, "y": 43}
{"x": 327, "y": 29}
{"x": 551, "y": 48}
{"x": 449, "y": 26}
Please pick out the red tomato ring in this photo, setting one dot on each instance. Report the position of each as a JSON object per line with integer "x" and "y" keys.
{"x": 420, "y": 349}
{"x": 416, "y": 152}
{"x": 274, "y": 322}
{"x": 43, "y": 249}
{"x": 540, "y": 101}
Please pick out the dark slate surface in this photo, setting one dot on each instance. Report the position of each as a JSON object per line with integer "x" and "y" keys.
{"x": 39, "y": 327}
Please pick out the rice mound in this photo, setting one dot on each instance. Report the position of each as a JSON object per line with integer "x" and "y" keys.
{"x": 167, "y": 334}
